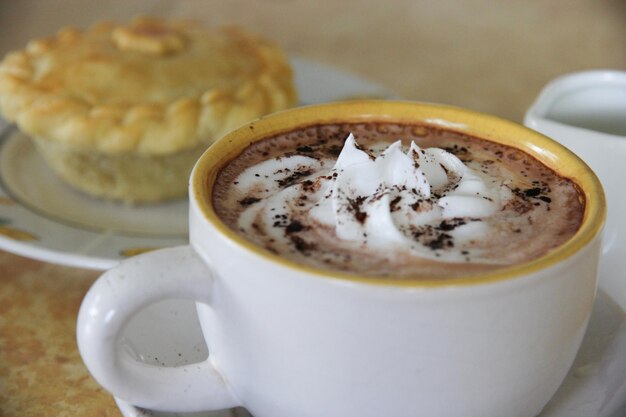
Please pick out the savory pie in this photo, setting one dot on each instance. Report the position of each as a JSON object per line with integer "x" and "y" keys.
{"x": 124, "y": 111}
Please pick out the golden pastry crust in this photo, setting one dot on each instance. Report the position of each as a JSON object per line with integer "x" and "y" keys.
{"x": 129, "y": 177}
{"x": 154, "y": 87}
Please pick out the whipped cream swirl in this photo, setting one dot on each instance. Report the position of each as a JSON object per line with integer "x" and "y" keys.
{"x": 426, "y": 201}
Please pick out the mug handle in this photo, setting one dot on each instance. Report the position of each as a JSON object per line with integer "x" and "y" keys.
{"x": 110, "y": 303}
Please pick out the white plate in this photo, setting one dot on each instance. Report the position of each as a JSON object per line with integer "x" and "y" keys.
{"x": 43, "y": 219}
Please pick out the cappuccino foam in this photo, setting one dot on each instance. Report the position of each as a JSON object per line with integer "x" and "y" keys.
{"x": 396, "y": 200}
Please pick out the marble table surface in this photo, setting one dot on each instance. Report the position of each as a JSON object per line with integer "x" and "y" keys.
{"x": 482, "y": 54}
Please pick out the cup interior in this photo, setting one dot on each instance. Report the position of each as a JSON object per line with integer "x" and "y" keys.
{"x": 547, "y": 151}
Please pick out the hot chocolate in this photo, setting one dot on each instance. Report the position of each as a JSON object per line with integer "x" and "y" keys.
{"x": 387, "y": 199}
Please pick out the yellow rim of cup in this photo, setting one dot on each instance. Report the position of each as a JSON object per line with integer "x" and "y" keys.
{"x": 549, "y": 152}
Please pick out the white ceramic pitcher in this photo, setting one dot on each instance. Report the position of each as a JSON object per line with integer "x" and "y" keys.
{"x": 586, "y": 112}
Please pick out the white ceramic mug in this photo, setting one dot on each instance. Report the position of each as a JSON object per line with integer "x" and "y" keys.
{"x": 586, "y": 112}
{"x": 290, "y": 341}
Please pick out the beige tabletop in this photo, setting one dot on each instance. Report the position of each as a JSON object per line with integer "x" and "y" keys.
{"x": 487, "y": 55}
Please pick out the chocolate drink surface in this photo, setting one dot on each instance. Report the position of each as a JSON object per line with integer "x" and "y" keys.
{"x": 405, "y": 201}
